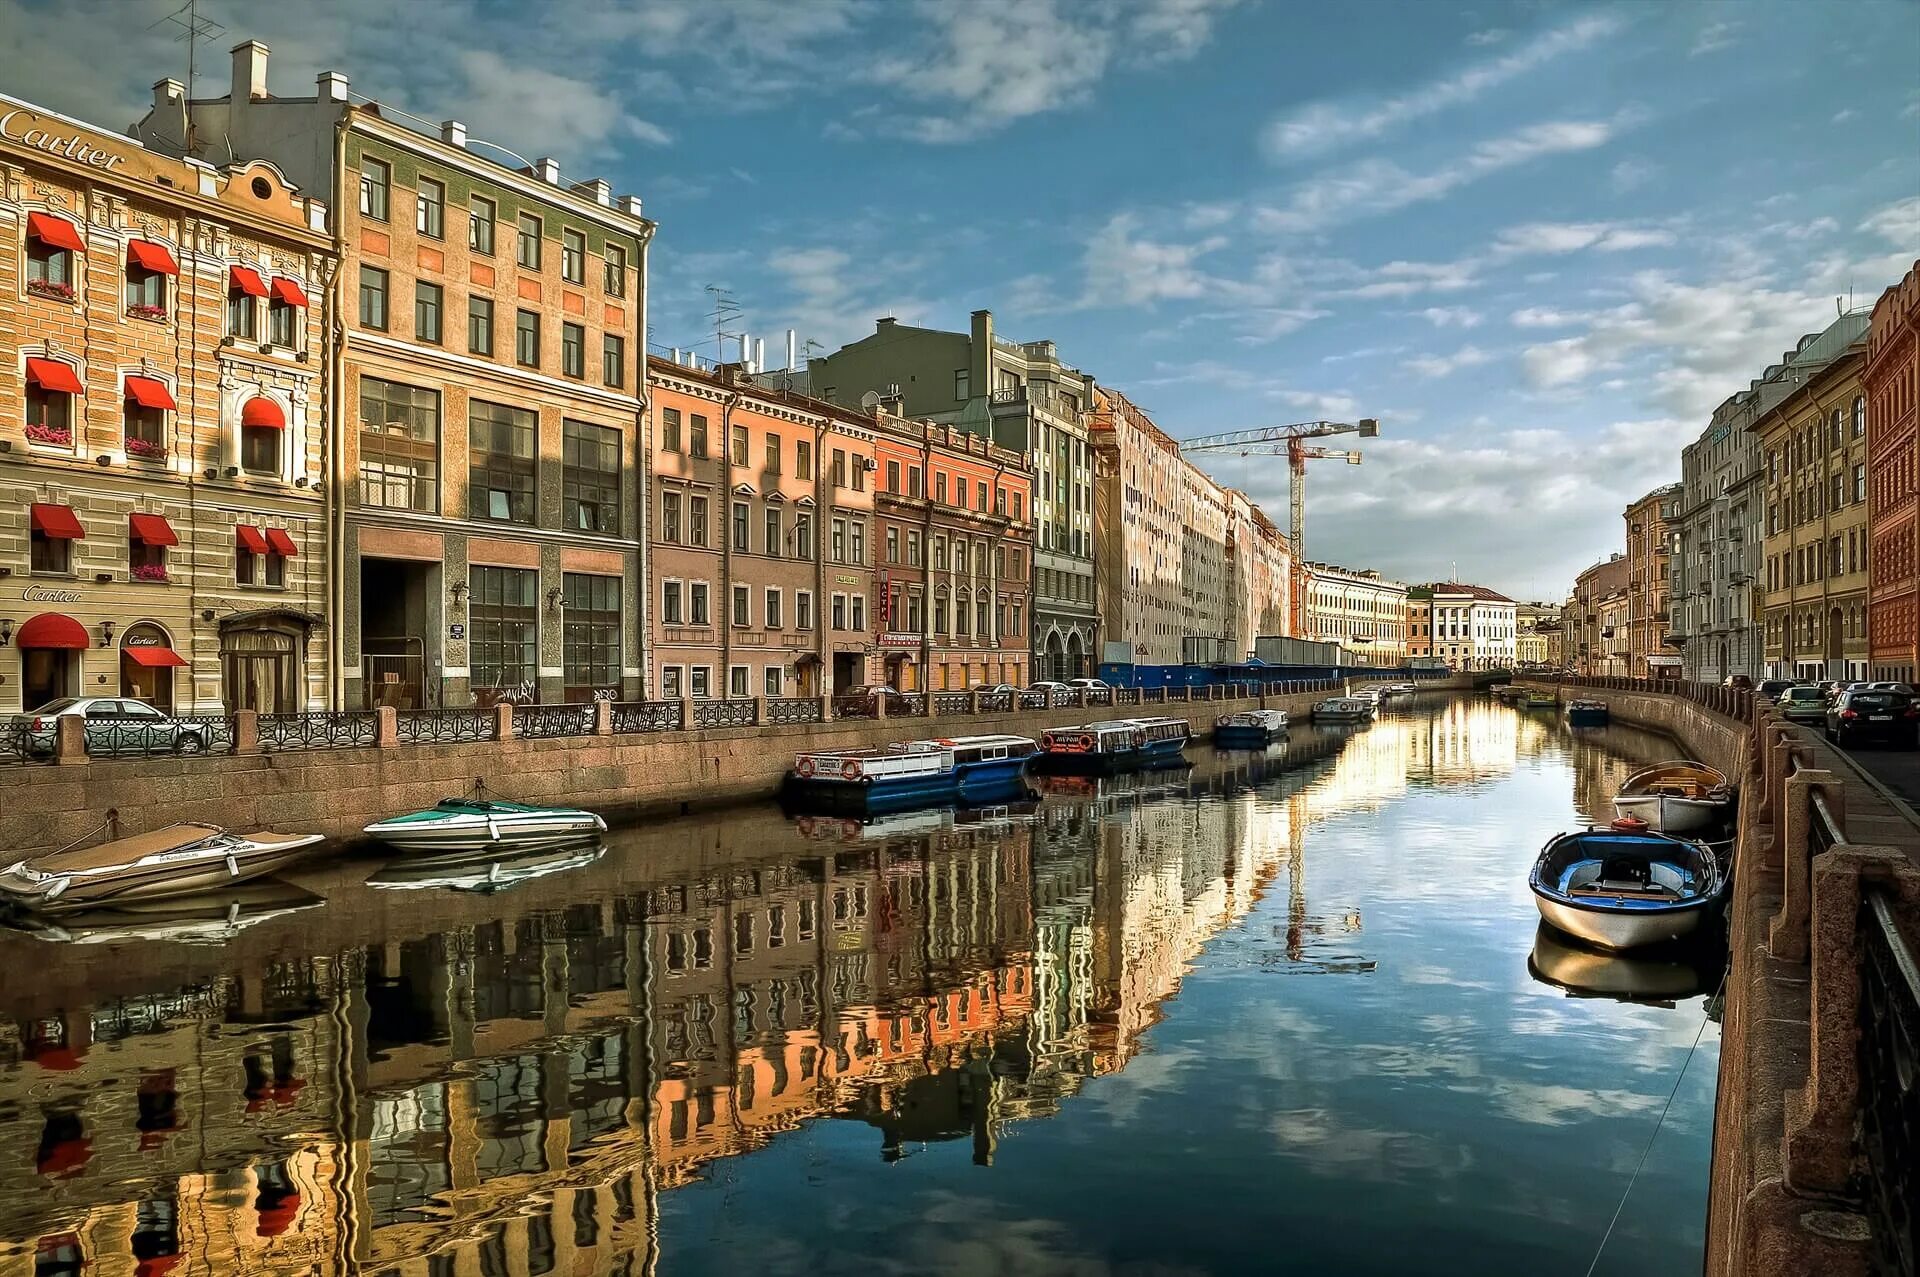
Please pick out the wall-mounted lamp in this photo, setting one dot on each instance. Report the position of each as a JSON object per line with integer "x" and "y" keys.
{"x": 206, "y": 614}
{"x": 301, "y": 482}
{"x": 553, "y": 599}
{"x": 233, "y": 472}
{"x": 106, "y": 634}
{"x": 458, "y": 590}
{"x": 6, "y": 630}
{"x": 104, "y": 459}
{"x": 211, "y": 473}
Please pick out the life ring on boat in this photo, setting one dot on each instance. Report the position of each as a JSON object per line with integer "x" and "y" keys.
{"x": 1629, "y": 825}
{"x": 850, "y": 770}
{"x": 803, "y": 768}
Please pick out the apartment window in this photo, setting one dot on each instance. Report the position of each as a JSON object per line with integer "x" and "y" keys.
{"x": 243, "y": 312}
{"x": 741, "y": 607}
{"x": 738, "y": 542}
{"x": 670, "y": 429}
{"x": 573, "y": 350}
{"x": 430, "y": 209}
{"x": 981, "y": 625}
{"x": 772, "y": 685}
{"x": 697, "y": 436}
{"x": 1859, "y": 483}
{"x": 500, "y": 482}
{"x": 1016, "y": 507}
{"x": 940, "y": 553}
{"x": 773, "y": 617}
{"x": 962, "y": 384}
{"x": 913, "y": 549}
{"x": 283, "y": 320}
{"x": 913, "y": 481}
{"x": 700, "y": 686}
{"x": 670, "y": 517}
{"x": 802, "y": 459}
{"x": 739, "y": 684}
{"x": 857, "y": 533}
{"x": 980, "y": 497}
{"x": 773, "y": 453}
{"x": 1835, "y": 565}
{"x": 616, "y": 271}
{"x": 144, "y": 417}
{"x": 50, "y": 266}
{"x": 839, "y": 468}
{"x": 1837, "y": 497}
{"x": 774, "y": 540}
{"x": 399, "y": 446}
{"x": 939, "y": 615}
{"x": 893, "y": 545}
{"x": 147, "y": 561}
{"x": 860, "y": 465}
{"x": 803, "y": 609}
{"x": 803, "y": 536}
{"x": 859, "y": 605}
{"x": 479, "y": 325}
{"x": 893, "y": 476}
{"x": 573, "y": 256}
{"x": 737, "y": 446}
{"x": 960, "y": 616}
{"x": 260, "y": 438}
{"x": 613, "y": 360}
{"x": 427, "y": 300}
{"x": 49, "y": 414}
{"x": 526, "y": 245}
{"x": 1000, "y": 501}
{"x": 697, "y": 604}
{"x": 374, "y": 181}
{"x": 839, "y": 541}
{"x": 839, "y": 611}
{"x": 590, "y": 635}
{"x": 697, "y": 521}
{"x": 940, "y": 488}
{"x": 480, "y": 219}
{"x": 670, "y": 603}
{"x": 590, "y": 477}
{"x": 1859, "y": 418}
{"x": 526, "y": 339}
{"x": 503, "y": 627}
{"x": 373, "y": 298}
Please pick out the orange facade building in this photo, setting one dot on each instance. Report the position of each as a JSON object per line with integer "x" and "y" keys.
{"x": 1892, "y": 379}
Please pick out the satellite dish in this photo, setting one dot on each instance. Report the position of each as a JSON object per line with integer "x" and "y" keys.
{"x": 870, "y": 400}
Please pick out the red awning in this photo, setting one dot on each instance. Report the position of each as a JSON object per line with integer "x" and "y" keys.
{"x": 245, "y": 279}
{"x": 53, "y": 630}
{"x": 261, "y": 411}
{"x": 249, "y": 539}
{"x": 155, "y": 657}
{"x": 55, "y": 232}
{"x": 276, "y": 1219}
{"x": 150, "y": 392}
{"x": 285, "y": 290}
{"x": 155, "y": 257}
{"x": 151, "y": 529}
{"x": 282, "y": 542}
{"x": 51, "y": 374}
{"x": 57, "y": 521}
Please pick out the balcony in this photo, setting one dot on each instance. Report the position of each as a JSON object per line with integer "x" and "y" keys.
{"x": 1009, "y": 399}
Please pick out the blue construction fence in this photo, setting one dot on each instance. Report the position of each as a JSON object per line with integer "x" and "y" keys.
{"x": 1257, "y": 674}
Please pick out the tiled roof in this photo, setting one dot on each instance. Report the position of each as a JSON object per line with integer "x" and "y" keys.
{"x": 1472, "y": 591}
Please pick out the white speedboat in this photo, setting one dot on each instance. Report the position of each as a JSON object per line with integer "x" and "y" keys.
{"x": 457, "y": 824}
{"x": 1342, "y": 709}
{"x": 1626, "y": 889}
{"x": 179, "y": 860}
{"x": 1677, "y": 797}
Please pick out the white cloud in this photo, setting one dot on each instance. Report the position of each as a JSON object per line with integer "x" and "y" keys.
{"x": 1410, "y": 279}
{"x": 568, "y": 116}
{"x": 1125, "y": 269}
{"x": 1319, "y": 127}
{"x": 1543, "y": 317}
{"x": 1898, "y": 223}
{"x": 1551, "y": 238}
{"x": 1431, "y": 366}
{"x": 1841, "y": 117}
{"x": 1713, "y": 37}
{"x": 1631, "y": 175}
{"x": 1451, "y": 316}
{"x": 1493, "y": 35}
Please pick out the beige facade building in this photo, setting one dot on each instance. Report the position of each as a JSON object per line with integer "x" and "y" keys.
{"x": 1260, "y": 570}
{"x": 1537, "y": 634}
{"x": 1474, "y": 628}
{"x": 1649, "y": 547}
{"x": 1361, "y": 610}
{"x": 1595, "y": 629}
{"x": 163, "y": 400}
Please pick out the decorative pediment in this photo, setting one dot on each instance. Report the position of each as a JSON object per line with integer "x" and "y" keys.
{"x": 805, "y": 503}
{"x": 743, "y": 489}
{"x": 775, "y": 498}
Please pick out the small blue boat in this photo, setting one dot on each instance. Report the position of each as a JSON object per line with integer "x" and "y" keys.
{"x": 1121, "y": 744}
{"x": 1626, "y": 888}
{"x": 1587, "y": 714}
{"x": 1251, "y": 729}
{"x": 910, "y": 773}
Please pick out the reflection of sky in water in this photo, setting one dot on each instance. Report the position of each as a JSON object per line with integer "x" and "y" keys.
{"x": 1356, "y": 1073}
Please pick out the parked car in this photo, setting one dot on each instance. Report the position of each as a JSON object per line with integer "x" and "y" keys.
{"x": 1772, "y": 687}
{"x": 1739, "y": 680}
{"x": 114, "y": 725}
{"x": 1803, "y": 703}
{"x": 1903, "y": 688}
{"x": 864, "y": 701}
{"x": 992, "y": 688}
{"x": 1088, "y": 685}
{"x": 1872, "y": 714}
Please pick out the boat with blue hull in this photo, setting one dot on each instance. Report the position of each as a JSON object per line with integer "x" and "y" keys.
{"x": 1588, "y": 714}
{"x": 1252, "y": 729}
{"x": 1627, "y": 888}
{"x": 911, "y": 774}
{"x": 1117, "y": 745}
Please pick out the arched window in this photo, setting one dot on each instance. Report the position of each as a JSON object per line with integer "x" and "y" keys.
{"x": 262, "y": 425}
{"x": 1859, "y": 416}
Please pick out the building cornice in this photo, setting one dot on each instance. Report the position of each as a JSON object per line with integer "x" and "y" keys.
{"x": 447, "y": 360}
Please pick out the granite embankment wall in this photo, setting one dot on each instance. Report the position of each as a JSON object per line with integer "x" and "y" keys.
{"x": 338, "y": 791}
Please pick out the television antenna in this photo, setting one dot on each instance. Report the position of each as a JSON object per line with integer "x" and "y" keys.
{"x": 192, "y": 30}
{"x": 725, "y": 311}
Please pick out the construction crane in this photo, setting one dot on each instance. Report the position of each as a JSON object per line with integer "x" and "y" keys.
{"x": 1291, "y": 440}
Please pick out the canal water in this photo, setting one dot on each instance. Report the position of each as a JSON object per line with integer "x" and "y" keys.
{"x": 1288, "y": 1013}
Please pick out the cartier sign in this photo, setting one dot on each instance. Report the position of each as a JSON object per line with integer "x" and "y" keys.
{"x": 41, "y": 594}
{"x": 23, "y": 127}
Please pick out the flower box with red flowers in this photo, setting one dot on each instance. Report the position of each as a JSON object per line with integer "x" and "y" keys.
{"x": 146, "y": 449}
{"x": 157, "y": 314}
{"x": 58, "y": 436}
{"x": 150, "y": 572}
{"x": 50, "y": 288}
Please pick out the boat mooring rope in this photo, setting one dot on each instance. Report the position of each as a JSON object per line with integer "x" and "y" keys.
{"x": 1648, "y": 1149}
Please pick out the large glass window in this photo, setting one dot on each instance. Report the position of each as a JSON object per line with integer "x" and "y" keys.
{"x": 526, "y": 249}
{"x": 49, "y": 268}
{"x": 696, "y": 521}
{"x": 283, "y": 323}
{"x": 427, "y": 306}
{"x": 739, "y": 542}
{"x": 590, "y": 635}
{"x": 670, "y": 517}
{"x": 374, "y": 181}
{"x": 243, "y": 313}
{"x": 399, "y": 446}
{"x": 500, "y": 482}
{"x": 430, "y": 209}
{"x": 613, "y": 360}
{"x": 573, "y": 350}
{"x": 670, "y": 430}
{"x": 590, "y": 477}
{"x": 696, "y": 435}
{"x": 504, "y": 630}
{"x": 616, "y": 271}
{"x": 526, "y": 339}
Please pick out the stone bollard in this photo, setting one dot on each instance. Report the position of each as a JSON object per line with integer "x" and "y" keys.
{"x": 1080, "y": 697}
{"x": 973, "y": 703}
{"x": 386, "y": 726}
{"x": 686, "y": 713}
{"x": 69, "y": 739}
{"x": 246, "y": 731}
{"x": 603, "y": 718}
{"x": 826, "y": 707}
{"x": 760, "y": 711}
{"x": 503, "y": 720}
{"x": 880, "y": 706}
{"x": 1793, "y": 831}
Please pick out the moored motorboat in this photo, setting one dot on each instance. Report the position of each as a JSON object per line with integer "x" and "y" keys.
{"x": 455, "y": 824}
{"x": 1587, "y": 714}
{"x": 1342, "y": 709}
{"x": 1250, "y": 729}
{"x": 1677, "y": 797}
{"x": 1537, "y": 700}
{"x": 1121, "y": 744}
{"x": 1620, "y": 889}
{"x": 213, "y": 917}
{"x": 491, "y": 869}
{"x": 179, "y": 860}
{"x": 910, "y": 773}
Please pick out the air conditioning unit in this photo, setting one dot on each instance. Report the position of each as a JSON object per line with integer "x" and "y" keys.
{"x": 869, "y": 464}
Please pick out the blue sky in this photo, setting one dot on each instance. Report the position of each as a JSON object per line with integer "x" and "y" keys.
{"x": 1538, "y": 242}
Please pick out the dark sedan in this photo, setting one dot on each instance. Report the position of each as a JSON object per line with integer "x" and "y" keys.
{"x": 864, "y": 702}
{"x": 1886, "y": 718}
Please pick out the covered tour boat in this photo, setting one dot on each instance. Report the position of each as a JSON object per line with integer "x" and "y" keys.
{"x": 1252, "y": 729}
{"x": 1342, "y": 709}
{"x": 1587, "y": 714}
{"x": 1626, "y": 889}
{"x": 462, "y": 824}
{"x": 1677, "y": 797}
{"x": 179, "y": 860}
{"x": 1122, "y": 744}
{"x": 911, "y": 773}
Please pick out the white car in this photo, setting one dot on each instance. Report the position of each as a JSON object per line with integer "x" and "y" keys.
{"x": 1048, "y": 686}
{"x": 1904, "y": 689}
{"x": 1088, "y": 685}
{"x": 114, "y": 725}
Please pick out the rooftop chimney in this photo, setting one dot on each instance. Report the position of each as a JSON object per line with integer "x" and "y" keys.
{"x": 549, "y": 170}
{"x": 168, "y": 92}
{"x": 883, "y": 323}
{"x": 628, "y": 204}
{"x": 599, "y": 190}
{"x": 333, "y": 86}
{"x": 453, "y": 133}
{"x": 249, "y": 71}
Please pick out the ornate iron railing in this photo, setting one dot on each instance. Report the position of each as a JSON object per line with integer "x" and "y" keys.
{"x": 996, "y": 702}
{"x": 1100, "y": 697}
{"x": 349, "y": 729}
{"x": 19, "y": 744}
{"x": 735, "y": 713}
{"x": 793, "y": 709}
{"x": 146, "y": 737}
{"x": 1889, "y": 1120}
{"x": 646, "y": 716}
{"x": 533, "y": 722}
{"x": 952, "y": 703}
{"x": 442, "y": 727}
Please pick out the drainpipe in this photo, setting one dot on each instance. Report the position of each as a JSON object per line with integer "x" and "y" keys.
{"x": 725, "y": 601}
{"x": 333, "y": 459}
{"x": 925, "y": 673}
